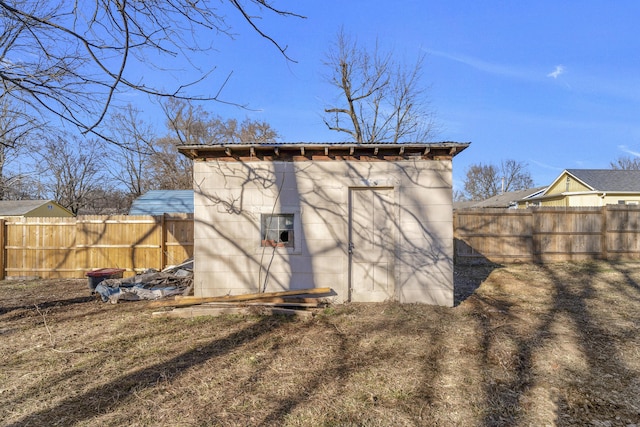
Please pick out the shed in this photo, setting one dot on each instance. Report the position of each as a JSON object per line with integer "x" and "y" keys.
{"x": 32, "y": 208}
{"x": 160, "y": 202}
{"x": 371, "y": 221}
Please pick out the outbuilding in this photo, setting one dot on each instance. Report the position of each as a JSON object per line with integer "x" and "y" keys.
{"x": 160, "y": 202}
{"x": 371, "y": 221}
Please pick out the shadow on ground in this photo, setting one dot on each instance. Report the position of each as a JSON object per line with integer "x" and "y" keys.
{"x": 467, "y": 278}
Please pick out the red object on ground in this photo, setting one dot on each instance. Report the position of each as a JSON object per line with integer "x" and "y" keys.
{"x": 106, "y": 272}
{"x": 97, "y": 276}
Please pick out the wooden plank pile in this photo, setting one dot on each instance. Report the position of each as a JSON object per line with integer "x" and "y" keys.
{"x": 299, "y": 303}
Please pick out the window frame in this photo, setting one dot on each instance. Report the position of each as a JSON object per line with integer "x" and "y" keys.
{"x": 269, "y": 228}
{"x": 298, "y": 214}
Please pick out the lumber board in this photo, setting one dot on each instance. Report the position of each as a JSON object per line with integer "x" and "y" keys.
{"x": 187, "y": 301}
{"x": 263, "y": 300}
{"x": 263, "y": 304}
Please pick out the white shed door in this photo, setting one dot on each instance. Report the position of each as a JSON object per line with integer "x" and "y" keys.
{"x": 372, "y": 244}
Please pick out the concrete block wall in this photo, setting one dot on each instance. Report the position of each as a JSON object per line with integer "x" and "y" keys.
{"x": 231, "y": 196}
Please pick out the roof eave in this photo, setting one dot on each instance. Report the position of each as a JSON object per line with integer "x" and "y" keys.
{"x": 196, "y": 151}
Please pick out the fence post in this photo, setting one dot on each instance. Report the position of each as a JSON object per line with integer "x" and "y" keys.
{"x": 454, "y": 217}
{"x": 3, "y": 244}
{"x": 605, "y": 250}
{"x": 163, "y": 242}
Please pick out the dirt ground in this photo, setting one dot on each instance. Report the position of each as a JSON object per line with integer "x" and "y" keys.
{"x": 526, "y": 345}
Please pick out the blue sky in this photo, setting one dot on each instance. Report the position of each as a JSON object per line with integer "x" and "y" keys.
{"x": 555, "y": 84}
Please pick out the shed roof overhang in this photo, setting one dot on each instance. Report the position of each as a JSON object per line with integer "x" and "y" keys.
{"x": 325, "y": 151}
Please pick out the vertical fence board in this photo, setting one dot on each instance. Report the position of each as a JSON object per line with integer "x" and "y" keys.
{"x": 623, "y": 232}
{"x": 70, "y": 247}
{"x": 547, "y": 234}
{"x": 3, "y": 254}
{"x": 492, "y": 234}
{"x": 178, "y": 238}
{"x": 120, "y": 241}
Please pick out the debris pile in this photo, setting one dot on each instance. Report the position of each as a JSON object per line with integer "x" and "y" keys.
{"x": 297, "y": 303}
{"x": 150, "y": 285}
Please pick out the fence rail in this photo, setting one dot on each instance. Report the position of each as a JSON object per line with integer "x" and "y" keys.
{"x": 69, "y": 247}
{"x": 547, "y": 234}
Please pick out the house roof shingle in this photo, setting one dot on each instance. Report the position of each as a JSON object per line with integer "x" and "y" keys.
{"x": 19, "y": 207}
{"x": 503, "y": 200}
{"x": 609, "y": 179}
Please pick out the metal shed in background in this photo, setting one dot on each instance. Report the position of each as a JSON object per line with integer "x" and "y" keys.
{"x": 159, "y": 202}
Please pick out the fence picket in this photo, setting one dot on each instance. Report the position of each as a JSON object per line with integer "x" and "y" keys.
{"x": 69, "y": 247}
{"x": 547, "y": 234}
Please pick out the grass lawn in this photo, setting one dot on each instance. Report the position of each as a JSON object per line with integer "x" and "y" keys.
{"x": 526, "y": 345}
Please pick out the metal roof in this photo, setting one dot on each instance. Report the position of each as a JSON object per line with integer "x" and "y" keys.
{"x": 608, "y": 179}
{"x": 159, "y": 202}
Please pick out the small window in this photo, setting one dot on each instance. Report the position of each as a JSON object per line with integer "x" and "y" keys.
{"x": 277, "y": 230}
{"x": 621, "y": 202}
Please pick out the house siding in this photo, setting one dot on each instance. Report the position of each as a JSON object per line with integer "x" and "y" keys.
{"x": 592, "y": 188}
{"x": 560, "y": 186}
{"x": 613, "y": 199}
{"x": 32, "y": 209}
{"x": 231, "y": 196}
{"x": 49, "y": 210}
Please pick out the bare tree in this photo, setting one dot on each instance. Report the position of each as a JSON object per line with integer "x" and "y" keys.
{"x": 249, "y": 131}
{"x": 626, "y": 163}
{"x": 192, "y": 125}
{"x": 484, "y": 181}
{"x": 131, "y": 156}
{"x": 106, "y": 201}
{"x": 381, "y": 100}
{"x": 72, "y": 170}
{"x": 168, "y": 169}
{"x": 71, "y": 58}
{"x": 15, "y": 129}
{"x": 189, "y": 124}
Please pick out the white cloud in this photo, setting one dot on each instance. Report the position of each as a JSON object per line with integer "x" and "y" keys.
{"x": 546, "y": 166}
{"x": 555, "y": 73}
{"x": 482, "y": 65}
{"x": 627, "y": 150}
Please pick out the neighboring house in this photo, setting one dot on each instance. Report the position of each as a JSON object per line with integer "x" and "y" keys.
{"x": 590, "y": 187}
{"x": 32, "y": 208}
{"x": 160, "y": 202}
{"x": 372, "y": 221}
{"x": 510, "y": 199}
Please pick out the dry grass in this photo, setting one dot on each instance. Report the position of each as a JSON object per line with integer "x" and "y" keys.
{"x": 526, "y": 345}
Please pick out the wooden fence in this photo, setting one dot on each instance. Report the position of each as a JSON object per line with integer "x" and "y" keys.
{"x": 547, "y": 234}
{"x": 70, "y": 247}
